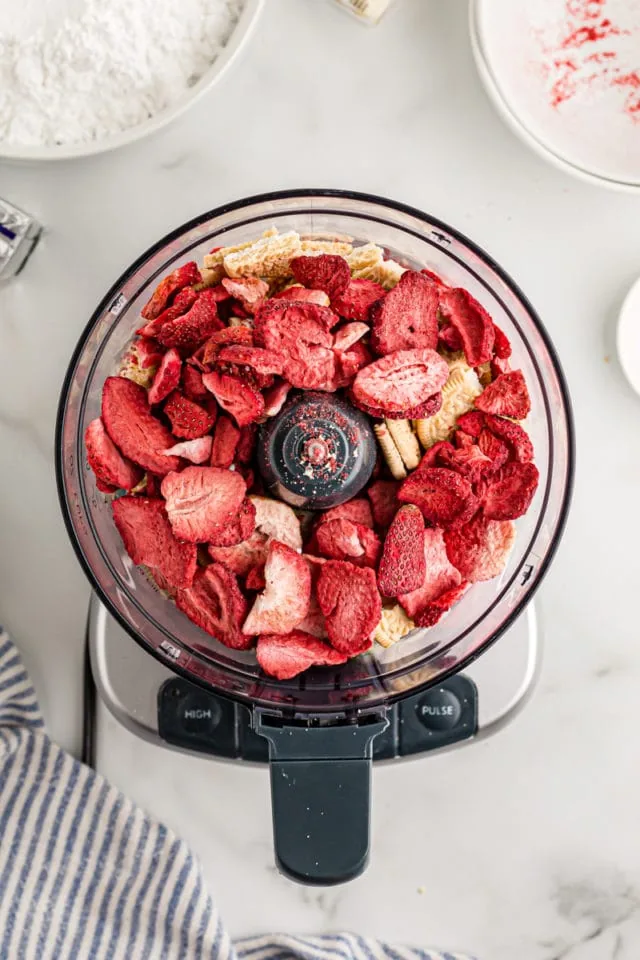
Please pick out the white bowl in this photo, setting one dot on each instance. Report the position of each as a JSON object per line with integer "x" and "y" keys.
{"x": 545, "y": 147}
{"x": 237, "y": 41}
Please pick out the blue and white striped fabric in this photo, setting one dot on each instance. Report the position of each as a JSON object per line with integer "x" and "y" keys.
{"x": 86, "y": 875}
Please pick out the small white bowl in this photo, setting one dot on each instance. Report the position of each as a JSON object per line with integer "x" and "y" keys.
{"x": 237, "y": 41}
{"x": 545, "y": 149}
{"x": 628, "y": 337}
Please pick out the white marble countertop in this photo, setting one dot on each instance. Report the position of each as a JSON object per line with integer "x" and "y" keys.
{"x": 527, "y": 846}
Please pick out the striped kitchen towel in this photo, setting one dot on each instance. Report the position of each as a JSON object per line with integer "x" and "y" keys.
{"x": 85, "y": 874}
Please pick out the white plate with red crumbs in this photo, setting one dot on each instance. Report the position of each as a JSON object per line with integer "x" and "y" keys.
{"x": 566, "y": 75}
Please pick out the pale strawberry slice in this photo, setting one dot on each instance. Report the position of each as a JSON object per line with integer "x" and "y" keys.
{"x": 127, "y": 418}
{"x": 167, "y": 377}
{"x": 241, "y": 557}
{"x": 342, "y": 539}
{"x": 439, "y": 575}
{"x": 383, "y": 495}
{"x": 472, "y": 322}
{"x": 325, "y": 272}
{"x": 276, "y": 519}
{"x": 314, "y": 622}
{"x": 148, "y": 539}
{"x": 258, "y": 359}
{"x": 285, "y": 657}
{"x": 358, "y": 510}
{"x": 285, "y": 600}
{"x": 184, "y": 276}
{"x": 195, "y": 451}
{"x": 225, "y": 442}
{"x": 275, "y": 398}
{"x": 215, "y": 603}
{"x": 407, "y": 318}
{"x": 345, "y": 337}
{"x": 402, "y": 566}
{"x": 401, "y": 382}
{"x": 188, "y": 419}
{"x": 506, "y": 397}
{"x": 200, "y": 499}
{"x": 250, "y": 291}
{"x": 349, "y": 599}
{"x": 242, "y": 401}
{"x": 356, "y": 301}
{"x": 507, "y": 495}
{"x": 303, "y": 295}
{"x": 442, "y": 495}
{"x": 480, "y": 549}
{"x": 436, "y": 609}
{"x": 110, "y": 467}
{"x": 300, "y": 333}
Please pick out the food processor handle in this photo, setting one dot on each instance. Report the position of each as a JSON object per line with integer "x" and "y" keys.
{"x": 321, "y": 796}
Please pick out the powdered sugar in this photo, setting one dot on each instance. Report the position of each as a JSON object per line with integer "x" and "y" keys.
{"x": 94, "y": 68}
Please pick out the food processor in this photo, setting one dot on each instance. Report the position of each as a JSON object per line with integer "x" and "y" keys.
{"x": 320, "y": 732}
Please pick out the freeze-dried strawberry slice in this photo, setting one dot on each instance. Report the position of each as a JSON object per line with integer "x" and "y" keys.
{"x": 383, "y": 495}
{"x": 200, "y": 499}
{"x": 422, "y": 412}
{"x": 441, "y": 494}
{"x": 303, "y": 295}
{"x": 146, "y": 353}
{"x": 325, "y": 272}
{"x": 127, "y": 418}
{"x": 181, "y": 303}
{"x": 184, "y": 276}
{"x": 449, "y": 338}
{"x": 195, "y": 451}
{"x": 480, "y": 549}
{"x": 472, "y": 322}
{"x": 469, "y": 460}
{"x": 403, "y": 381}
{"x": 345, "y": 336}
{"x": 506, "y": 397}
{"x": 250, "y": 291}
{"x": 439, "y": 574}
{"x": 188, "y": 419}
{"x": 193, "y": 327}
{"x": 434, "y": 457}
{"x": 225, "y": 442}
{"x": 507, "y": 495}
{"x": 243, "y": 556}
{"x": 402, "y": 567}
{"x": 236, "y": 530}
{"x": 356, "y": 301}
{"x": 148, "y": 538}
{"x": 242, "y": 401}
{"x": 343, "y": 539}
{"x": 439, "y": 282}
{"x": 349, "y": 362}
{"x": 472, "y": 423}
{"x": 192, "y": 385}
{"x": 358, "y": 510}
{"x": 105, "y": 487}
{"x": 314, "y": 622}
{"x": 153, "y": 485}
{"x": 275, "y": 398}
{"x": 255, "y": 579}
{"x": 407, "y": 318}
{"x": 434, "y": 611}
{"x": 276, "y": 519}
{"x": 106, "y": 461}
{"x": 167, "y": 377}
{"x": 501, "y": 345}
{"x": 215, "y": 603}
{"x": 223, "y": 338}
{"x": 349, "y": 599}
{"x": 496, "y": 450}
{"x": 285, "y": 600}
{"x": 299, "y": 332}
{"x": 246, "y": 444}
{"x": 262, "y": 361}
{"x": 285, "y": 657}
{"x": 498, "y": 367}
{"x": 515, "y": 436}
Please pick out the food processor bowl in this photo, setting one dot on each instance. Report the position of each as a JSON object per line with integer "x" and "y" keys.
{"x": 322, "y": 723}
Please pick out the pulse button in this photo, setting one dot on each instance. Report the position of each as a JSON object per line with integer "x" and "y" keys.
{"x": 439, "y": 709}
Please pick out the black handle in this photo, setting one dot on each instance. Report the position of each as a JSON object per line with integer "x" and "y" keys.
{"x": 321, "y": 797}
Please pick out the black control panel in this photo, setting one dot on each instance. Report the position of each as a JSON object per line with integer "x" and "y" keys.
{"x": 194, "y": 719}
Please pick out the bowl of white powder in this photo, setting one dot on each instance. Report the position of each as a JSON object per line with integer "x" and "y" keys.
{"x": 79, "y": 77}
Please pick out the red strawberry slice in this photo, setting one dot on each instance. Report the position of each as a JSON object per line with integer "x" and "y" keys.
{"x": 434, "y": 611}
{"x": 242, "y": 401}
{"x": 105, "y": 487}
{"x": 225, "y": 442}
{"x": 407, "y": 318}
{"x": 246, "y": 443}
{"x": 343, "y": 539}
{"x": 184, "y": 276}
{"x": 303, "y": 295}
{"x": 223, "y": 338}
{"x": 236, "y": 530}
{"x": 441, "y": 494}
{"x": 345, "y": 336}
{"x": 439, "y": 574}
{"x": 167, "y": 377}
{"x": 469, "y": 460}
{"x": 472, "y": 423}
{"x": 106, "y": 461}
{"x": 507, "y": 495}
{"x": 403, "y": 381}
{"x": 285, "y": 657}
{"x": 480, "y": 549}
{"x": 498, "y": 367}
{"x": 195, "y": 451}
{"x": 220, "y": 293}
{"x": 356, "y": 301}
{"x": 514, "y": 435}
{"x": 472, "y": 322}
{"x": 148, "y": 539}
{"x": 325, "y": 272}
{"x": 506, "y": 397}
{"x": 285, "y": 600}
{"x": 357, "y": 510}
{"x": 501, "y": 345}
{"x": 262, "y": 361}
{"x": 200, "y": 499}
{"x": 195, "y": 326}
{"x": 402, "y": 567}
{"x": 383, "y": 495}
{"x": 146, "y": 353}
{"x": 127, "y": 418}
{"x": 434, "y": 457}
{"x": 349, "y": 599}
{"x": 423, "y": 411}
{"x": 314, "y": 622}
{"x": 192, "y": 385}
{"x": 181, "y": 303}
{"x": 439, "y": 282}
{"x": 188, "y": 419}
{"x": 349, "y": 362}
{"x": 255, "y": 579}
{"x": 496, "y": 450}
{"x": 449, "y": 338}
{"x": 250, "y": 291}
{"x": 275, "y": 398}
{"x": 215, "y": 603}
{"x": 299, "y": 332}
{"x": 243, "y": 556}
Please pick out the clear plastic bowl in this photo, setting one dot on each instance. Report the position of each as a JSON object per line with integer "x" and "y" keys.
{"x": 424, "y": 657}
